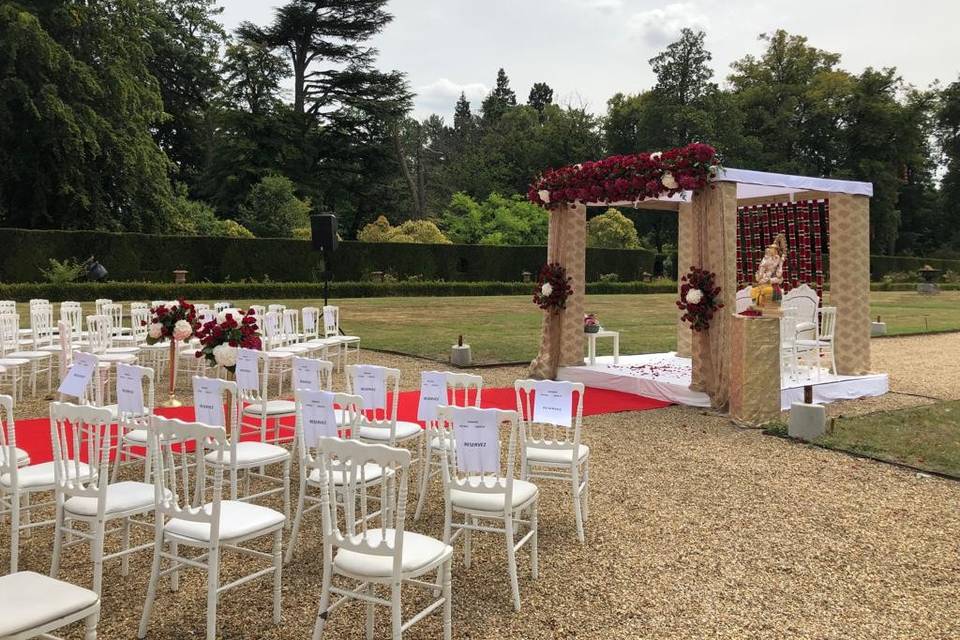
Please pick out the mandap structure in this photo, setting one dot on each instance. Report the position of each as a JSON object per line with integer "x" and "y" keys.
{"x": 707, "y": 199}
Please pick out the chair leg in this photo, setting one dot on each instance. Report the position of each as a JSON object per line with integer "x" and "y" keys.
{"x": 467, "y": 539}
{"x": 586, "y": 491}
{"x": 324, "y": 600}
{"x": 424, "y": 480}
{"x": 175, "y": 574}
{"x": 152, "y": 585}
{"x": 370, "y": 614}
{"x": 286, "y": 492}
{"x": 57, "y": 541}
{"x": 395, "y": 611}
{"x": 292, "y": 542}
{"x": 125, "y": 558}
{"x": 447, "y": 569}
{"x": 98, "y": 556}
{"x": 534, "y": 549}
{"x": 213, "y": 583}
{"x": 14, "y": 532}
{"x": 277, "y": 573}
{"x": 577, "y": 508}
{"x": 90, "y": 626}
{"x": 511, "y": 559}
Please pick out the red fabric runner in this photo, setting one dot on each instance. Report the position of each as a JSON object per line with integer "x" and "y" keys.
{"x": 33, "y": 434}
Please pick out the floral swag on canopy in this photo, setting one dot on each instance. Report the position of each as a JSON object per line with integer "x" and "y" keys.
{"x": 629, "y": 178}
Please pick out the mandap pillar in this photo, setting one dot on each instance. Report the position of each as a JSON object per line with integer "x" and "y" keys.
{"x": 561, "y": 338}
{"x": 714, "y": 213}
{"x": 685, "y": 259}
{"x": 850, "y": 281}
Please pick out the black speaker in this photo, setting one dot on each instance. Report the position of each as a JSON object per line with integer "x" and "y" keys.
{"x": 323, "y": 227}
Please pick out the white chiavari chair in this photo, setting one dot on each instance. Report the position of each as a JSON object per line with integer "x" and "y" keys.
{"x": 278, "y": 359}
{"x": 185, "y": 517}
{"x": 369, "y": 552}
{"x": 482, "y": 488}
{"x": 136, "y": 399}
{"x": 379, "y": 422}
{"x": 261, "y": 415}
{"x": 331, "y": 331}
{"x": 550, "y": 447}
{"x": 10, "y": 352}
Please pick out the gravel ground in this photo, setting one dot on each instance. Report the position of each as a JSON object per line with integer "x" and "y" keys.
{"x": 697, "y": 530}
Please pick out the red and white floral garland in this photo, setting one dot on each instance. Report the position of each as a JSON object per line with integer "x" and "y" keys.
{"x": 553, "y": 288}
{"x": 628, "y": 178}
{"x": 699, "y": 298}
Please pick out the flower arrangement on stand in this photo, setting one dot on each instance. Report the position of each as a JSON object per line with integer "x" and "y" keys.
{"x": 174, "y": 322}
{"x": 220, "y": 338}
{"x": 699, "y": 298}
{"x": 553, "y": 288}
{"x": 591, "y": 324}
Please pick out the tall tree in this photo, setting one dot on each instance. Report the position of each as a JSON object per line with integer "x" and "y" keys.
{"x": 948, "y": 133}
{"x": 251, "y": 77}
{"x": 499, "y": 100}
{"x": 77, "y": 106}
{"x": 462, "y": 116}
{"x": 540, "y": 96}
{"x": 682, "y": 70}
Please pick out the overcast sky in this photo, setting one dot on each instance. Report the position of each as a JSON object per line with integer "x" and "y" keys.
{"x": 587, "y": 50}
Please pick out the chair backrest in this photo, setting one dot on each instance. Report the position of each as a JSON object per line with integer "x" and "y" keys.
{"x": 365, "y": 522}
{"x": 331, "y": 321}
{"x": 208, "y": 403}
{"x": 311, "y": 322}
{"x": 140, "y": 323}
{"x": 98, "y": 333}
{"x": 271, "y": 330}
{"x": 136, "y": 391}
{"x": 259, "y": 310}
{"x": 181, "y": 476}
{"x": 743, "y": 300}
{"x": 555, "y": 419}
{"x": 312, "y": 374}
{"x": 379, "y": 387}
{"x": 66, "y": 347}
{"x": 316, "y": 418}
{"x": 828, "y": 323}
{"x": 200, "y": 306}
{"x": 251, "y": 378}
{"x": 138, "y": 305}
{"x": 478, "y": 464}
{"x": 8, "y": 441}
{"x": 72, "y": 312}
{"x": 279, "y": 308}
{"x": 39, "y": 302}
{"x": 9, "y": 332}
{"x": 220, "y": 306}
{"x": 291, "y": 324}
{"x": 75, "y": 430}
{"x": 41, "y": 325}
{"x": 99, "y": 302}
{"x": 790, "y": 318}
{"x": 805, "y": 300}
{"x": 206, "y": 315}
{"x": 8, "y": 306}
{"x": 446, "y": 388}
{"x": 114, "y": 312}
{"x": 158, "y": 303}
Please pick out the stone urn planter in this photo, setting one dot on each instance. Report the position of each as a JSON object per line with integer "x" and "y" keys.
{"x": 929, "y": 276}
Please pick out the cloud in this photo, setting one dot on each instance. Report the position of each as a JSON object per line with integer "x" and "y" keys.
{"x": 605, "y": 6}
{"x": 660, "y": 26}
{"x": 441, "y": 95}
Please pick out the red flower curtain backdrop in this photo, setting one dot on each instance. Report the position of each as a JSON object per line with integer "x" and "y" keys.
{"x": 805, "y": 225}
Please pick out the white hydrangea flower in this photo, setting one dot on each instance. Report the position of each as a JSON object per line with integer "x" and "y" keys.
{"x": 694, "y": 296}
{"x": 182, "y": 330}
{"x": 546, "y": 290}
{"x": 225, "y": 355}
{"x": 544, "y": 195}
{"x": 669, "y": 181}
{"x": 155, "y": 330}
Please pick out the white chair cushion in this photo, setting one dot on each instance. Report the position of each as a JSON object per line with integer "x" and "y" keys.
{"x": 294, "y": 348}
{"x": 371, "y": 473}
{"x": 252, "y": 452}
{"x": 29, "y": 355}
{"x": 14, "y": 362}
{"x": 493, "y": 502}
{"x": 556, "y": 456}
{"x": 274, "y": 408}
{"x": 122, "y": 496}
{"x": 21, "y": 456}
{"x": 106, "y": 358}
{"x": 419, "y": 551}
{"x": 31, "y": 600}
{"x": 41, "y": 475}
{"x": 277, "y": 355}
{"x": 404, "y": 430}
{"x": 122, "y": 350}
{"x": 813, "y": 343}
{"x": 237, "y": 519}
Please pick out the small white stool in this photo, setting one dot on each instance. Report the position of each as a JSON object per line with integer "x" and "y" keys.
{"x": 592, "y": 345}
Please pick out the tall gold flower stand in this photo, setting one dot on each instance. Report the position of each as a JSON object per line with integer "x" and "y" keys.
{"x": 755, "y": 370}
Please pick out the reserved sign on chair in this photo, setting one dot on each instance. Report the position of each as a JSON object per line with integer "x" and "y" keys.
{"x": 248, "y": 369}
{"x": 371, "y": 385}
{"x": 79, "y": 375}
{"x": 208, "y": 402}
{"x": 476, "y": 432}
{"x": 552, "y": 403}
{"x": 129, "y": 389}
{"x": 433, "y": 393}
{"x": 306, "y": 374}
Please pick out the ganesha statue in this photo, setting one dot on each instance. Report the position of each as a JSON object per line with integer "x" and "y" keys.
{"x": 766, "y": 291}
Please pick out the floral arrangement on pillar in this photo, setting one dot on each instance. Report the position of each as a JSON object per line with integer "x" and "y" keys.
{"x": 553, "y": 288}
{"x": 175, "y": 322}
{"x": 628, "y": 178}
{"x": 699, "y": 298}
{"x": 220, "y": 338}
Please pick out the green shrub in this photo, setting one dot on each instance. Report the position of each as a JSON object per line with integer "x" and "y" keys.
{"x": 495, "y": 221}
{"x": 609, "y": 277}
{"x": 69, "y": 270}
{"x": 612, "y": 230}
{"x": 272, "y": 209}
{"x": 411, "y": 231}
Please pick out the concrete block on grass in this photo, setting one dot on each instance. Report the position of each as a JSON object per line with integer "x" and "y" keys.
{"x": 807, "y": 421}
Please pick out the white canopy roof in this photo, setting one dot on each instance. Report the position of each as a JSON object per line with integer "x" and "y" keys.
{"x": 758, "y": 184}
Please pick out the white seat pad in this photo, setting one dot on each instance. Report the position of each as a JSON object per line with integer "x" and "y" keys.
{"x": 30, "y": 355}
{"x": 556, "y": 456}
{"x": 106, "y": 358}
{"x": 14, "y": 362}
{"x": 30, "y": 600}
{"x": 813, "y": 343}
{"x": 274, "y": 408}
{"x": 294, "y": 348}
{"x": 278, "y": 355}
{"x": 237, "y": 519}
{"x": 418, "y": 551}
{"x": 493, "y": 502}
{"x": 122, "y": 496}
{"x": 22, "y": 456}
{"x": 371, "y": 473}
{"x": 41, "y": 475}
{"x": 404, "y": 430}
{"x": 251, "y": 451}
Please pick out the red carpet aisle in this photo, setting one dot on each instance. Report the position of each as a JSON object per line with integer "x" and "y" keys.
{"x": 33, "y": 434}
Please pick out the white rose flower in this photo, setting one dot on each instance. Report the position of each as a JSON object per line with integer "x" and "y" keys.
{"x": 223, "y": 315}
{"x": 225, "y": 355}
{"x": 544, "y": 195}
{"x": 182, "y": 330}
{"x": 155, "y": 330}
{"x": 656, "y": 155}
{"x": 669, "y": 181}
{"x": 546, "y": 289}
{"x": 694, "y": 296}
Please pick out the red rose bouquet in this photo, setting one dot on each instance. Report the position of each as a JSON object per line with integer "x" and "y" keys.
{"x": 553, "y": 288}
{"x": 219, "y": 340}
{"x": 699, "y": 298}
{"x": 177, "y": 321}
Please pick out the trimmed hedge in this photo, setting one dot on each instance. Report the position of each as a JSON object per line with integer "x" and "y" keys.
{"x": 141, "y": 257}
{"x": 882, "y": 265}
{"x": 23, "y": 292}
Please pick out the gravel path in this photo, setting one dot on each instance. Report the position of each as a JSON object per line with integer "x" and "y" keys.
{"x": 698, "y": 530}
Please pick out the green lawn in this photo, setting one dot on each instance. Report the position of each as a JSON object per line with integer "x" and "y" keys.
{"x": 507, "y": 328}
{"x": 927, "y": 437}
